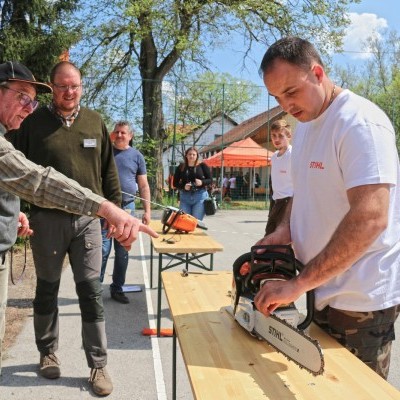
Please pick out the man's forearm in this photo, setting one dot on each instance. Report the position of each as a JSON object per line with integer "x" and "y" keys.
{"x": 104, "y": 209}
{"x": 145, "y": 194}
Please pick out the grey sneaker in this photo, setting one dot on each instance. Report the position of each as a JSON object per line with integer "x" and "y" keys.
{"x": 100, "y": 381}
{"x": 49, "y": 366}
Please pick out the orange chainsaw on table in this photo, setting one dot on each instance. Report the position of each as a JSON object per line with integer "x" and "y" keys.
{"x": 174, "y": 218}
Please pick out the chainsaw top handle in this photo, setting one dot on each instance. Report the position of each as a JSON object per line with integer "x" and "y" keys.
{"x": 275, "y": 261}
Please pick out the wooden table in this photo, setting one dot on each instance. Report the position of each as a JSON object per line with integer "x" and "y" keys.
{"x": 186, "y": 250}
{"x": 225, "y": 362}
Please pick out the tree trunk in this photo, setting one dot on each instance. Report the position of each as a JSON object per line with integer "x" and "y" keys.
{"x": 152, "y": 74}
{"x": 154, "y": 134}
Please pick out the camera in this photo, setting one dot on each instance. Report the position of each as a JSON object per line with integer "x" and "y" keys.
{"x": 192, "y": 186}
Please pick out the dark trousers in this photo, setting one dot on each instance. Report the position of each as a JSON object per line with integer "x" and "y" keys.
{"x": 56, "y": 234}
{"x": 276, "y": 213}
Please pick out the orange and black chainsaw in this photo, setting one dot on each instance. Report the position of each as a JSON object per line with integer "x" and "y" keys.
{"x": 174, "y": 218}
{"x": 282, "y": 329}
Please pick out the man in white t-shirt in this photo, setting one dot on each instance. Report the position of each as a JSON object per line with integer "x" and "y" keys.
{"x": 344, "y": 219}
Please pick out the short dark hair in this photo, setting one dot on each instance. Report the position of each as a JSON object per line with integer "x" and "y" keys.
{"x": 124, "y": 123}
{"x": 60, "y": 65}
{"x": 293, "y": 50}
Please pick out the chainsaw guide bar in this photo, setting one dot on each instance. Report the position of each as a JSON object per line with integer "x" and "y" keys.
{"x": 291, "y": 342}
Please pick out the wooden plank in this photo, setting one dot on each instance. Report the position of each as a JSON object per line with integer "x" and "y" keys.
{"x": 194, "y": 242}
{"x": 225, "y": 362}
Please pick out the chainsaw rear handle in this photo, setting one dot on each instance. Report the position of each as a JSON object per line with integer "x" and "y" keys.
{"x": 310, "y": 300}
{"x": 276, "y": 255}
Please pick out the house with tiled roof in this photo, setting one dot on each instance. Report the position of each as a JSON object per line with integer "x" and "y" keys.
{"x": 256, "y": 127}
{"x": 197, "y": 136}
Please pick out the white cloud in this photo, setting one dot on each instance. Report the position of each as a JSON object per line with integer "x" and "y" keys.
{"x": 361, "y": 27}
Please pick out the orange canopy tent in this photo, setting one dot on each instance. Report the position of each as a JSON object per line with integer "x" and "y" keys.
{"x": 244, "y": 153}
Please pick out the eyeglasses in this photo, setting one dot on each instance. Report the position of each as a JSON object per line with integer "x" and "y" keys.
{"x": 24, "y": 99}
{"x": 121, "y": 132}
{"x": 65, "y": 88}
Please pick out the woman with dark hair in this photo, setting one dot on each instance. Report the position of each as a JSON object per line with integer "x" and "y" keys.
{"x": 192, "y": 179}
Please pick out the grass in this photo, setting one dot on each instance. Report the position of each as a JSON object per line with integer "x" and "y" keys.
{"x": 244, "y": 205}
{"x": 225, "y": 205}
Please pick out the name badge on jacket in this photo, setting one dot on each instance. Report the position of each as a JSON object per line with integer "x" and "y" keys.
{"x": 89, "y": 143}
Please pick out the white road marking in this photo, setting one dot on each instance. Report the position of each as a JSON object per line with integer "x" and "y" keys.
{"x": 160, "y": 383}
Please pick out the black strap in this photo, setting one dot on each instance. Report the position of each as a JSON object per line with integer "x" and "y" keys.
{"x": 13, "y": 280}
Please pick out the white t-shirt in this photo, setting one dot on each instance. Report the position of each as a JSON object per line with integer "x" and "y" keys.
{"x": 281, "y": 177}
{"x": 351, "y": 144}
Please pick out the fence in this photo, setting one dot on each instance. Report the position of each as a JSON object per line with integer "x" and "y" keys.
{"x": 210, "y": 116}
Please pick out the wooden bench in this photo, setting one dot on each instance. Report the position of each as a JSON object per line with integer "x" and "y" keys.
{"x": 224, "y": 362}
{"x": 182, "y": 250}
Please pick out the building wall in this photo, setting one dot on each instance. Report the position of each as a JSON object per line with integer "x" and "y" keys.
{"x": 199, "y": 138}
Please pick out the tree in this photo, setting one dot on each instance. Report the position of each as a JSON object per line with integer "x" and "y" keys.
{"x": 150, "y": 36}
{"x": 209, "y": 94}
{"x": 199, "y": 102}
{"x": 389, "y": 101}
{"x": 36, "y": 32}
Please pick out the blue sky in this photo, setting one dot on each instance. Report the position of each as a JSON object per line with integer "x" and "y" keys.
{"x": 367, "y": 17}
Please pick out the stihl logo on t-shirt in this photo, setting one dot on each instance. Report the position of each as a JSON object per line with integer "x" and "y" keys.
{"x": 317, "y": 165}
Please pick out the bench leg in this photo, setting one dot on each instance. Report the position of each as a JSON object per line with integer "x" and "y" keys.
{"x": 151, "y": 264}
{"x": 159, "y": 295}
{"x": 173, "y": 363}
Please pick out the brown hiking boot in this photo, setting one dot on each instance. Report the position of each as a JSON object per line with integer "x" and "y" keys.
{"x": 100, "y": 381}
{"x": 49, "y": 366}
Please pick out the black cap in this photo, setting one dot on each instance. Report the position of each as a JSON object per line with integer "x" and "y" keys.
{"x": 13, "y": 71}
